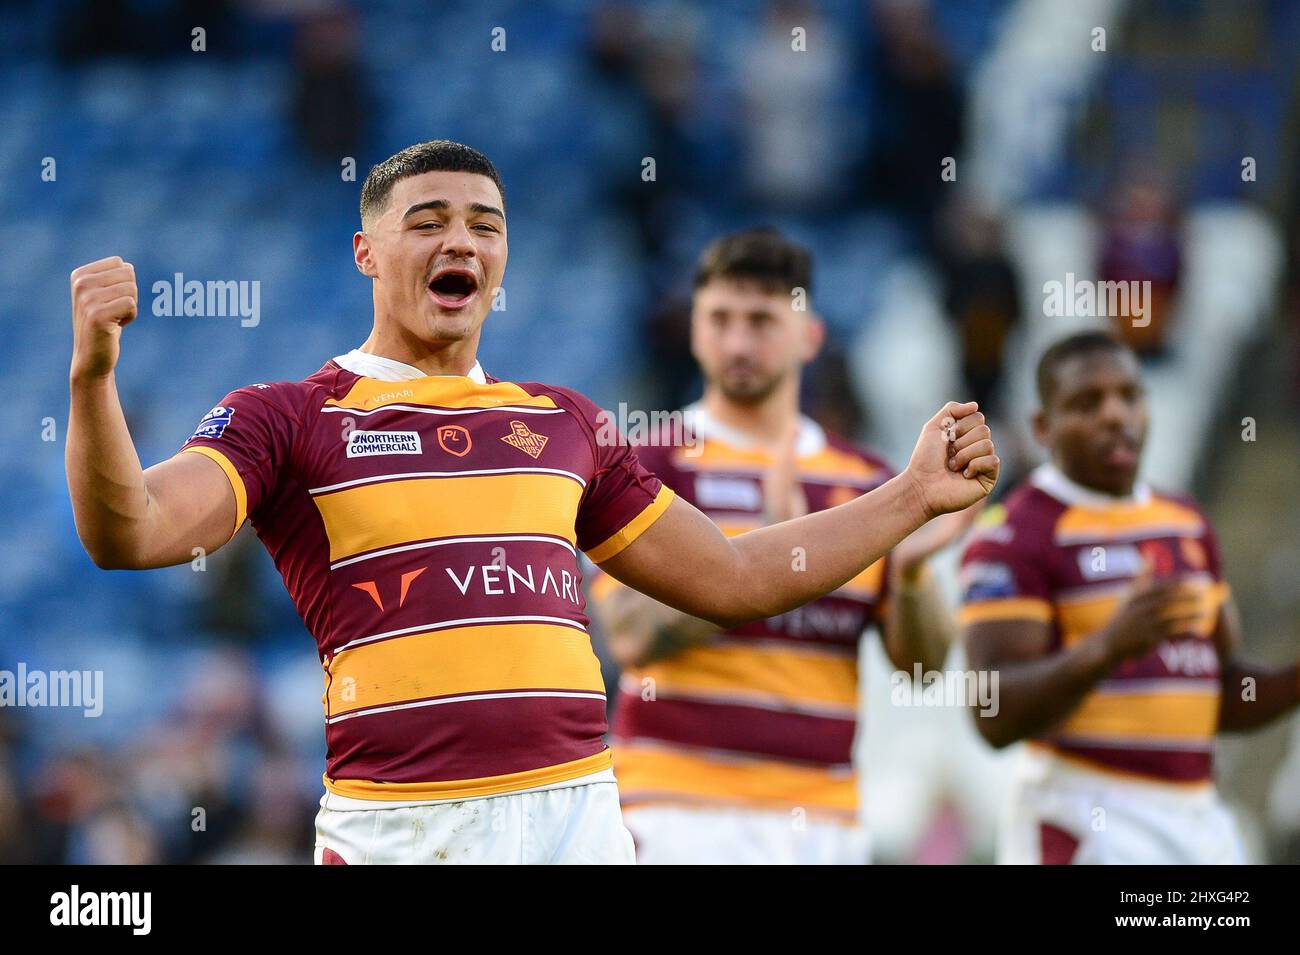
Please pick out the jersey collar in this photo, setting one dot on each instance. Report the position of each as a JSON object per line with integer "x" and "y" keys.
{"x": 812, "y": 439}
{"x": 389, "y": 369}
{"x": 1051, "y": 479}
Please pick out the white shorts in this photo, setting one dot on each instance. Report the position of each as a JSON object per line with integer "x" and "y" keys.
{"x": 708, "y": 835}
{"x": 1059, "y": 812}
{"x": 574, "y": 825}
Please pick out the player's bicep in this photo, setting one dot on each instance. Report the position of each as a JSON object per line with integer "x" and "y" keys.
{"x": 193, "y": 505}
{"x": 681, "y": 560}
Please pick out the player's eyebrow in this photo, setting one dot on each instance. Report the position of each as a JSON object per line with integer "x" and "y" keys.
{"x": 441, "y": 205}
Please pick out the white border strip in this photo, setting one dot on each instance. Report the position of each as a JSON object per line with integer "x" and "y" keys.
{"x": 513, "y": 409}
{"x": 464, "y": 699}
{"x": 402, "y": 548}
{"x": 412, "y": 475}
{"x": 449, "y": 624}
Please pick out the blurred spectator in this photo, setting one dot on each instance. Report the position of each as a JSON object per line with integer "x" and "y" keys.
{"x": 70, "y": 792}
{"x": 330, "y": 99}
{"x": 981, "y": 294}
{"x": 794, "y": 127}
{"x": 103, "y": 28}
{"x": 1142, "y": 242}
{"x": 652, "y": 72}
{"x": 676, "y": 377}
{"x": 232, "y": 605}
{"x": 919, "y": 114}
{"x": 277, "y": 828}
{"x": 829, "y": 396}
{"x": 114, "y": 836}
{"x": 13, "y": 838}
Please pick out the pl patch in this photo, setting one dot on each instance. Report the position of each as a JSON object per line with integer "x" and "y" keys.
{"x": 214, "y": 423}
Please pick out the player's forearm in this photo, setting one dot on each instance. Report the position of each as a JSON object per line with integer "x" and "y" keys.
{"x": 1034, "y": 695}
{"x": 110, "y": 500}
{"x": 1254, "y": 695}
{"x": 918, "y": 627}
{"x": 640, "y": 629}
{"x": 784, "y": 566}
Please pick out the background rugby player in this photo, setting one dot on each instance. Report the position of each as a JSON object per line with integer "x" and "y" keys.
{"x": 1102, "y": 605}
{"x": 743, "y": 752}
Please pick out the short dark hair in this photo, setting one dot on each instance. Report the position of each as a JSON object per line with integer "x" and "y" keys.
{"x": 1072, "y": 346}
{"x": 437, "y": 155}
{"x": 761, "y": 255}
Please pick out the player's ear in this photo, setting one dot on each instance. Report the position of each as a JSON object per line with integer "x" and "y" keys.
{"x": 361, "y": 254}
{"x": 814, "y": 336}
{"x": 1038, "y": 421}
{"x": 694, "y": 333}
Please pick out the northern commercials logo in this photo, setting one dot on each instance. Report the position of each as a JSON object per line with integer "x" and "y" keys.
{"x": 366, "y": 444}
{"x": 74, "y": 907}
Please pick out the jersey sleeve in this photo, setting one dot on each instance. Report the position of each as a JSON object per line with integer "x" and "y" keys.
{"x": 1003, "y": 573}
{"x": 250, "y": 436}
{"x": 655, "y": 459}
{"x": 623, "y": 498}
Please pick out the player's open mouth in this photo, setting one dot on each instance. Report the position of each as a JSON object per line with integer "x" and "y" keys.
{"x": 453, "y": 288}
{"x": 1121, "y": 453}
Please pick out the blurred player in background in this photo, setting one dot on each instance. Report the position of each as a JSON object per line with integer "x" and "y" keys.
{"x": 426, "y": 520}
{"x": 735, "y": 745}
{"x": 1101, "y": 604}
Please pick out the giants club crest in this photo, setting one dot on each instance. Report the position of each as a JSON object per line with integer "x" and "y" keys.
{"x": 454, "y": 439}
{"x": 527, "y": 441}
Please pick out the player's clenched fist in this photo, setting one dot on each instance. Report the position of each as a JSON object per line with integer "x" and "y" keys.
{"x": 104, "y": 300}
{"x": 954, "y": 463}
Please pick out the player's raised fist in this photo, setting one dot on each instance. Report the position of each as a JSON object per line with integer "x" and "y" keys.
{"x": 104, "y": 301}
{"x": 954, "y": 463}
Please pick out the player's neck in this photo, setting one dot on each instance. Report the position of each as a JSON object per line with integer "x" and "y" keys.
{"x": 1120, "y": 492}
{"x": 765, "y": 422}
{"x": 438, "y": 358}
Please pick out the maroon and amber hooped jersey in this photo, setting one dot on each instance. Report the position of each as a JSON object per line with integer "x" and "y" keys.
{"x": 1063, "y": 555}
{"x": 428, "y": 530}
{"x": 762, "y": 715}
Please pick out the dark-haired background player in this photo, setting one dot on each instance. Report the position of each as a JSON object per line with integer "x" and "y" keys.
{"x": 735, "y": 746}
{"x": 426, "y": 520}
{"x": 1102, "y": 605}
